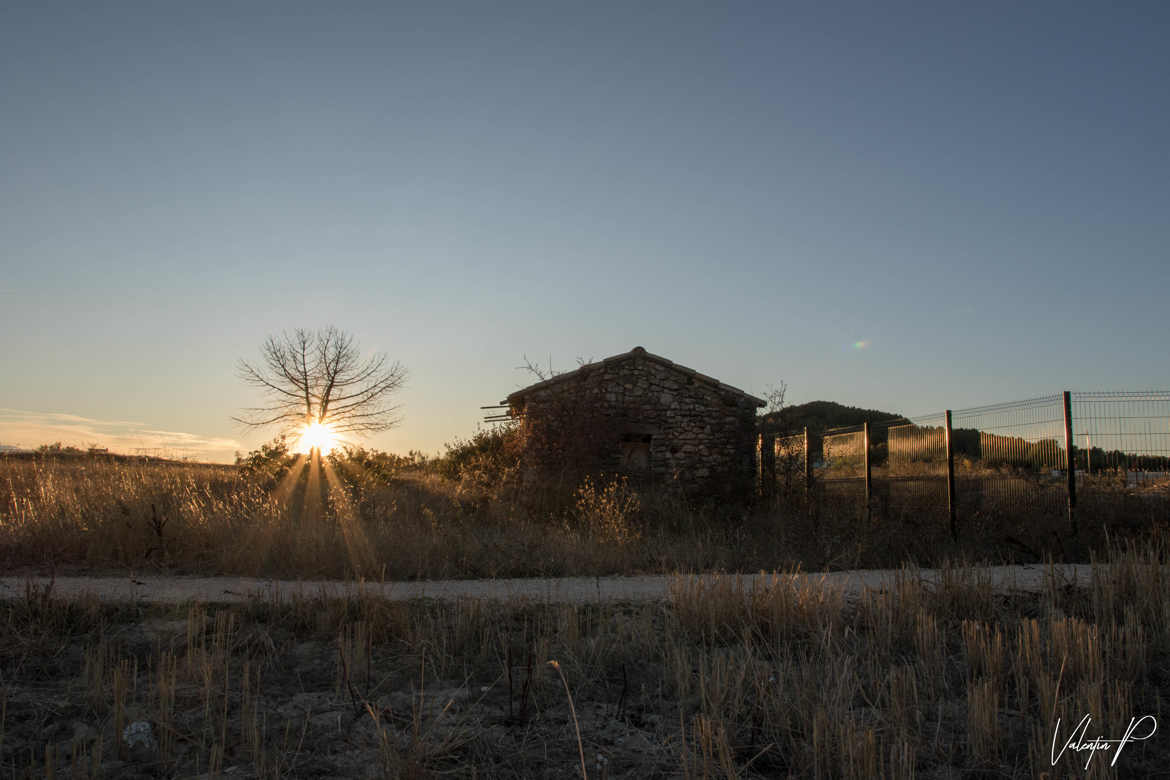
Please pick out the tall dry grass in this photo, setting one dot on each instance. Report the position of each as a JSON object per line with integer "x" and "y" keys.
{"x": 349, "y": 520}
{"x": 787, "y": 679}
{"x": 339, "y": 522}
{"x": 361, "y": 516}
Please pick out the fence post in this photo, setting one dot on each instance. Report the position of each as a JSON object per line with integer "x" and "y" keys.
{"x": 1070, "y": 461}
{"x": 767, "y": 445}
{"x": 868, "y": 486}
{"x": 807, "y": 465}
{"x": 950, "y": 440}
{"x": 780, "y": 443}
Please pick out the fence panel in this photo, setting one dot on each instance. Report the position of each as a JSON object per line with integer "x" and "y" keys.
{"x": 790, "y": 465}
{"x": 843, "y": 453}
{"x": 918, "y": 447}
{"x": 1125, "y": 435}
{"x": 916, "y": 469}
{"x": 839, "y": 470}
{"x": 1009, "y": 466}
{"x": 1021, "y": 434}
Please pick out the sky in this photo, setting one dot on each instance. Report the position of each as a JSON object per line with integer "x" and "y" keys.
{"x": 907, "y": 207}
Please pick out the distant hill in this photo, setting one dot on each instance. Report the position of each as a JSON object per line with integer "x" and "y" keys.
{"x": 819, "y": 416}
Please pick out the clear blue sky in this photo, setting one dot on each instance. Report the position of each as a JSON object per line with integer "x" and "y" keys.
{"x": 980, "y": 191}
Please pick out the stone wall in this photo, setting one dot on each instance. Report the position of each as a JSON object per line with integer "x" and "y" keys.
{"x": 701, "y": 435}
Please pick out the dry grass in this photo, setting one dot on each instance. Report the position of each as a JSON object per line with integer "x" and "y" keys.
{"x": 347, "y": 521}
{"x": 784, "y": 680}
{"x": 69, "y": 513}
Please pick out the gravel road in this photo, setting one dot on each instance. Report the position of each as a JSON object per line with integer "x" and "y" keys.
{"x": 179, "y": 589}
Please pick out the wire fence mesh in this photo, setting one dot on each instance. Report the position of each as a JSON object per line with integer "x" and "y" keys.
{"x": 1010, "y": 461}
{"x": 843, "y": 453}
{"x": 916, "y": 468}
{"x": 1007, "y": 461}
{"x": 791, "y": 462}
{"x": 1025, "y": 434}
{"x": 918, "y": 447}
{"x": 1123, "y": 434}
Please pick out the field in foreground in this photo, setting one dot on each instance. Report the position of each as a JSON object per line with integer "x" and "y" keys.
{"x": 952, "y": 679}
{"x": 359, "y": 517}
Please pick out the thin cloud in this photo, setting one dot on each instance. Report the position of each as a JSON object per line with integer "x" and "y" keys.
{"x": 31, "y": 429}
{"x": 50, "y": 417}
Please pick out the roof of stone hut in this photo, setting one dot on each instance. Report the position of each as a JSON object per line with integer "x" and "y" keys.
{"x": 636, "y": 352}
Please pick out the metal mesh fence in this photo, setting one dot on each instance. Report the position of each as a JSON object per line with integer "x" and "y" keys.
{"x": 918, "y": 447}
{"x": 790, "y": 462}
{"x": 1022, "y": 434}
{"x": 916, "y": 468}
{"x": 1010, "y": 462}
{"x": 1124, "y": 434}
{"x": 843, "y": 453}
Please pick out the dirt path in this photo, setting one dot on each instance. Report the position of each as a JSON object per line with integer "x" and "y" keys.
{"x": 179, "y": 589}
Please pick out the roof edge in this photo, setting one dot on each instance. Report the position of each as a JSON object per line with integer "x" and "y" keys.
{"x": 635, "y": 352}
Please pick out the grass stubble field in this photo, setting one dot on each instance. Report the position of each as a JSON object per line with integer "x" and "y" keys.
{"x": 791, "y": 678}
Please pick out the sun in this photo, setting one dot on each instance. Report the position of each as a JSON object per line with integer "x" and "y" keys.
{"x": 318, "y": 436}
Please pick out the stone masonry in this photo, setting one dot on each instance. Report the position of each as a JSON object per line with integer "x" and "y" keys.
{"x": 644, "y": 416}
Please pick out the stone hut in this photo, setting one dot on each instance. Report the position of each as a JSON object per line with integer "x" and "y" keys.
{"x": 643, "y": 416}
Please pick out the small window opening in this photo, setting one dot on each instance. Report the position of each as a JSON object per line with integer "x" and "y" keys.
{"x": 635, "y": 452}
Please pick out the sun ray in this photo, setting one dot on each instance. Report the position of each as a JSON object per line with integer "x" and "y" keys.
{"x": 284, "y": 490}
{"x": 357, "y": 545}
{"x": 345, "y": 466}
{"x": 312, "y": 504}
{"x": 357, "y": 471}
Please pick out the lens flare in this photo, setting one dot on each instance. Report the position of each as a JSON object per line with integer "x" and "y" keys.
{"x": 860, "y": 345}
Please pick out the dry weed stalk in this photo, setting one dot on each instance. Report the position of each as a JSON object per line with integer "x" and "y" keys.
{"x": 573, "y": 712}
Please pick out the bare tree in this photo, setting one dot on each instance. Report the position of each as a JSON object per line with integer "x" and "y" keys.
{"x": 542, "y": 374}
{"x": 774, "y": 396}
{"x": 321, "y": 377}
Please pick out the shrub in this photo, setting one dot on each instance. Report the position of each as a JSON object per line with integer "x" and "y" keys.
{"x": 374, "y": 466}
{"x": 487, "y": 460}
{"x": 608, "y": 509}
{"x": 267, "y": 464}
